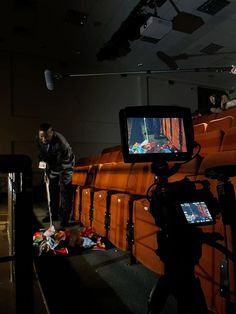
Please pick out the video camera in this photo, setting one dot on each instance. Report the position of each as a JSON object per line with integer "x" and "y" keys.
{"x": 183, "y": 203}
{"x": 162, "y": 134}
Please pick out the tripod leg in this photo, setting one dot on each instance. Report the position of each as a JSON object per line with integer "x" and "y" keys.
{"x": 190, "y": 298}
{"x": 158, "y": 296}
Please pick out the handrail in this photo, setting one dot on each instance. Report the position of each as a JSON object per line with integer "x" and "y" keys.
{"x": 19, "y": 170}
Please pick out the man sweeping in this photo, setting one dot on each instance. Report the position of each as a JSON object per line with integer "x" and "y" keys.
{"x": 57, "y": 159}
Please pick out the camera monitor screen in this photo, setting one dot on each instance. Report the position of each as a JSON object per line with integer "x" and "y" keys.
{"x": 197, "y": 213}
{"x": 156, "y": 133}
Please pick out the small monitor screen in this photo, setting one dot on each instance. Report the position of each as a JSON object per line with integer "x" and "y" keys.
{"x": 197, "y": 213}
{"x": 156, "y": 133}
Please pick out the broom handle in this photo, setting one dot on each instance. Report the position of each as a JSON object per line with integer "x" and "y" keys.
{"x": 48, "y": 197}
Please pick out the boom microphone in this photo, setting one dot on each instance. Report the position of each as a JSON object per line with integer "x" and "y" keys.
{"x": 49, "y": 79}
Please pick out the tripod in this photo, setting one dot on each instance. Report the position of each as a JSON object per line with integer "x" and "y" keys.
{"x": 179, "y": 248}
{"x": 180, "y": 251}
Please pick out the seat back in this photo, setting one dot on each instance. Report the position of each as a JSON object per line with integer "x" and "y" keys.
{"x": 111, "y": 154}
{"x": 112, "y": 178}
{"x": 205, "y": 118}
{"x": 228, "y": 112}
{"x": 140, "y": 179}
{"x": 223, "y": 124}
{"x": 199, "y": 128}
{"x": 229, "y": 140}
{"x": 80, "y": 174}
{"x": 209, "y": 141}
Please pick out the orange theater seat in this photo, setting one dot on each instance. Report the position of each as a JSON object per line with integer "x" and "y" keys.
{"x": 119, "y": 216}
{"x": 111, "y": 154}
{"x": 85, "y": 195}
{"x": 120, "y": 220}
{"x": 223, "y": 124}
{"x": 229, "y": 141}
{"x": 145, "y": 236}
{"x": 204, "y": 118}
{"x": 188, "y": 169}
{"x": 123, "y": 232}
{"x": 209, "y": 141}
{"x": 113, "y": 178}
{"x": 199, "y": 128}
{"x": 140, "y": 177}
{"x": 228, "y": 112}
{"x": 91, "y": 160}
{"x": 78, "y": 180}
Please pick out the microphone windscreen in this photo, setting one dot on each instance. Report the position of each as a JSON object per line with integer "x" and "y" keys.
{"x": 49, "y": 79}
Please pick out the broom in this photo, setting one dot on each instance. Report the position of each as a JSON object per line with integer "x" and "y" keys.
{"x": 51, "y": 228}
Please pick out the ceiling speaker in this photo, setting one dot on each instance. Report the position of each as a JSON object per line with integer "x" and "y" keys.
{"x": 186, "y": 23}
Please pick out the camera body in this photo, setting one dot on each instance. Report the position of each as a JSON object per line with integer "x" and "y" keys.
{"x": 183, "y": 203}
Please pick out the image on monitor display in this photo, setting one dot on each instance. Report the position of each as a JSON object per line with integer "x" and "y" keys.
{"x": 197, "y": 213}
{"x": 156, "y": 135}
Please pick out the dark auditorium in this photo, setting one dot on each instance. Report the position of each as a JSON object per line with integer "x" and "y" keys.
{"x": 118, "y": 157}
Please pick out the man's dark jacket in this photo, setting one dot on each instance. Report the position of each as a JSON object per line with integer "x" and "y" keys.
{"x": 59, "y": 157}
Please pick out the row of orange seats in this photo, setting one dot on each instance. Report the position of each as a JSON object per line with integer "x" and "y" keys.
{"x": 210, "y": 134}
{"x": 213, "y": 116}
{"x": 216, "y": 133}
{"x": 111, "y": 196}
